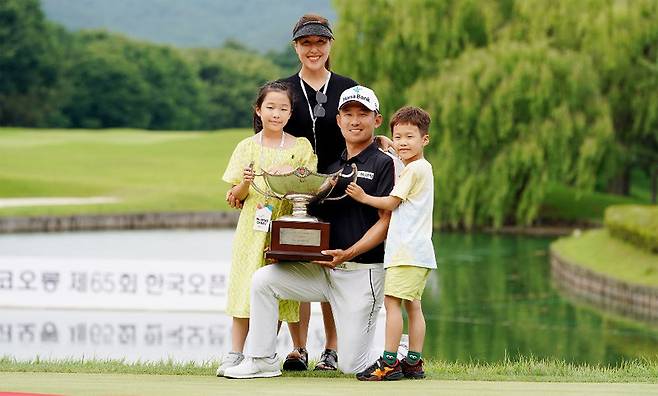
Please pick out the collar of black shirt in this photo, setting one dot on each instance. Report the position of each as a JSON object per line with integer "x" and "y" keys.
{"x": 362, "y": 157}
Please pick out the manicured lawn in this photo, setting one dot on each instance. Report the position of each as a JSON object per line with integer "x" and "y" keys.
{"x": 525, "y": 369}
{"x": 153, "y": 171}
{"x": 564, "y": 203}
{"x": 166, "y": 385}
{"x": 601, "y": 253}
{"x": 147, "y": 171}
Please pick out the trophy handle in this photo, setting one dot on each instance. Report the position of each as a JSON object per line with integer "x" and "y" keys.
{"x": 267, "y": 194}
{"x": 253, "y": 184}
{"x": 353, "y": 175}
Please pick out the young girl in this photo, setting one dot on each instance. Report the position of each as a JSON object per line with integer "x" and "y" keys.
{"x": 273, "y": 150}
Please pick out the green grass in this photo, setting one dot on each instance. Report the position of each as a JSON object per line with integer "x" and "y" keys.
{"x": 564, "y": 203}
{"x": 525, "y": 369}
{"x": 174, "y": 171}
{"x": 599, "y": 252}
{"x": 166, "y": 385}
{"x": 147, "y": 171}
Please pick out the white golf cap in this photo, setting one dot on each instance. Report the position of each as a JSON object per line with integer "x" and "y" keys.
{"x": 361, "y": 94}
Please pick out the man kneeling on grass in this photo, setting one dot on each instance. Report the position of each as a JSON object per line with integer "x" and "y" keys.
{"x": 353, "y": 281}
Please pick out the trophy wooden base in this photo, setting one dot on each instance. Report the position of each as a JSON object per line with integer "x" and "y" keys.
{"x": 299, "y": 241}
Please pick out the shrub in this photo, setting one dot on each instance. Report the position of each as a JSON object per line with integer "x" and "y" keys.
{"x": 635, "y": 224}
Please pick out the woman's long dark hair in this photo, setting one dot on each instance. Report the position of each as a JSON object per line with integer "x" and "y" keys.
{"x": 272, "y": 86}
{"x": 313, "y": 18}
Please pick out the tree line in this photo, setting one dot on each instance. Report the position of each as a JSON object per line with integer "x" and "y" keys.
{"x": 523, "y": 93}
{"x": 50, "y": 77}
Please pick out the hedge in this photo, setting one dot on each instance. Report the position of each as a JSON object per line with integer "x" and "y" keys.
{"x": 635, "y": 224}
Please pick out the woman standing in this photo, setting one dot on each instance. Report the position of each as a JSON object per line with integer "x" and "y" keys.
{"x": 316, "y": 91}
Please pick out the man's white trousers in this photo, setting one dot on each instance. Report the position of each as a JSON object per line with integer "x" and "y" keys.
{"x": 355, "y": 295}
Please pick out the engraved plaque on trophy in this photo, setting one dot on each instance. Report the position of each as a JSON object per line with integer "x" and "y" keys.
{"x": 299, "y": 236}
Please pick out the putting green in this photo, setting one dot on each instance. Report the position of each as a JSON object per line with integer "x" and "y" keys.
{"x": 163, "y": 385}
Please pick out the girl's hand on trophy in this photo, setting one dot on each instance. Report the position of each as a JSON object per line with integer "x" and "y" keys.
{"x": 232, "y": 200}
{"x": 248, "y": 175}
{"x": 269, "y": 260}
{"x": 356, "y": 192}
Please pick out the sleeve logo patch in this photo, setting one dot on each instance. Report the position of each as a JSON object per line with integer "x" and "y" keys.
{"x": 365, "y": 175}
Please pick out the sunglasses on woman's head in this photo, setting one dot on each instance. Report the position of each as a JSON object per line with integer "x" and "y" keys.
{"x": 318, "y": 110}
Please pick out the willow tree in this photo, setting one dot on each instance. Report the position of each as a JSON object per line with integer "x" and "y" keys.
{"x": 508, "y": 121}
{"x": 389, "y": 44}
{"x": 621, "y": 37}
{"x": 31, "y": 54}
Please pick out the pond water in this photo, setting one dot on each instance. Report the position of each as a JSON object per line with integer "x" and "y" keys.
{"x": 491, "y": 299}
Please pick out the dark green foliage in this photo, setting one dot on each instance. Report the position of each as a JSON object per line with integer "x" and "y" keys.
{"x": 231, "y": 78}
{"x": 621, "y": 37}
{"x": 422, "y": 52}
{"x": 96, "y": 79}
{"x": 286, "y": 59}
{"x": 510, "y": 120}
{"x": 635, "y": 224}
{"x": 30, "y": 57}
{"x": 389, "y": 45}
{"x": 120, "y": 83}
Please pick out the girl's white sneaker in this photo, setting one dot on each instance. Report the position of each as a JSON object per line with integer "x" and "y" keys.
{"x": 230, "y": 359}
{"x": 251, "y": 367}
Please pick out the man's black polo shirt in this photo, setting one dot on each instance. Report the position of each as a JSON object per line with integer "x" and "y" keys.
{"x": 350, "y": 219}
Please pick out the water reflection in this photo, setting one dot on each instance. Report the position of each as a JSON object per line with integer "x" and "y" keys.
{"x": 138, "y": 295}
{"x": 493, "y": 300}
{"x": 490, "y": 299}
{"x": 131, "y": 336}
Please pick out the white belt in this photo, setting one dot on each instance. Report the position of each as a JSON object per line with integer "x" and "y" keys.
{"x": 352, "y": 266}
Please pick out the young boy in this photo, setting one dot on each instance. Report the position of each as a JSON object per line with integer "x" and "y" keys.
{"x": 409, "y": 254}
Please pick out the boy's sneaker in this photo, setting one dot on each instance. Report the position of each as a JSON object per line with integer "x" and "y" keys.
{"x": 230, "y": 359}
{"x": 252, "y": 367}
{"x": 414, "y": 371}
{"x": 381, "y": 371}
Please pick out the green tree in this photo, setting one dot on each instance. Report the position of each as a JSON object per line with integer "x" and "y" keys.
{"x": 231, "y": 77}
{"x": 108, "y": 90}
{"x": 286, "y": 59}
{"x": 390, "y": 44}
{"x": 30, "y": 60}
{"x": 508, "y": 121}
{"x": 120, "y": 82}
{"x": 621, "y": 37}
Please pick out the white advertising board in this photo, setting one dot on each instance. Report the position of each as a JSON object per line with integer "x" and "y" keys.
{"x": 123, "y": 284}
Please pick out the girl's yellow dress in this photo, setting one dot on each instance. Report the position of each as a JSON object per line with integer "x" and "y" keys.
{"x": 249, "y": 244}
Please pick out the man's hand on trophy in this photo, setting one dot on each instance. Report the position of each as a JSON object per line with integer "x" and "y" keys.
{"x": 339, "y": 255}
{"x": 232, "y": 200}
{"x": 356, "y": 192}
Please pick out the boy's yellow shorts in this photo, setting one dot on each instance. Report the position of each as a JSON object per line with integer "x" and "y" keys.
{"x": 406, "y": 282}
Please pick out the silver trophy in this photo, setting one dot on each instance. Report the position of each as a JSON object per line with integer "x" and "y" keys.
{"x": 299, "y": 236}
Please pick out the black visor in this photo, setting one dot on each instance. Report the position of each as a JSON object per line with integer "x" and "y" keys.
{"x": 312, "y": 28}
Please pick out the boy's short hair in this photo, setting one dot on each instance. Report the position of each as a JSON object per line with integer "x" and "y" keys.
{"x": 413, "y": 116}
